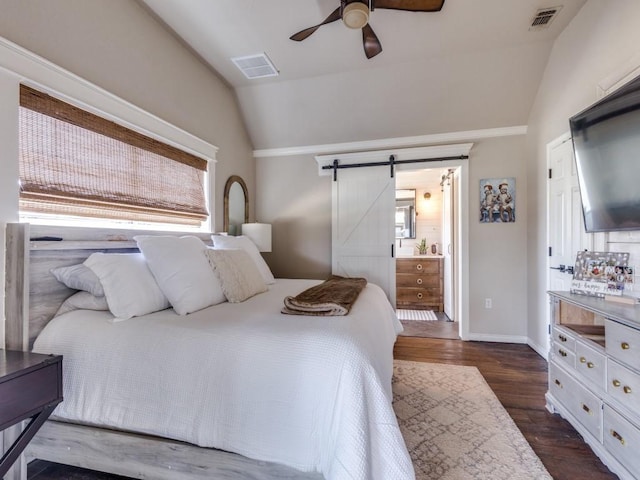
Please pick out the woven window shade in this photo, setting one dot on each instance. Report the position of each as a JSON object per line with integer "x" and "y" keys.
{"x": 73, "y": 162}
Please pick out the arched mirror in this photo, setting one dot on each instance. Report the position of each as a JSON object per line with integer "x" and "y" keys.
{"x": 236, "y": 205}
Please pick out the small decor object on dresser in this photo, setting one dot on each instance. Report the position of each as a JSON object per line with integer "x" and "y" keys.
{"x": 601, "y": 273}
{"x": 422, "y": 247}
{"x": 498, "y": 200}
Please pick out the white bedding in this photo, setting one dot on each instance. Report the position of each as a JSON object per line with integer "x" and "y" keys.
{"x": 313, "y": 393}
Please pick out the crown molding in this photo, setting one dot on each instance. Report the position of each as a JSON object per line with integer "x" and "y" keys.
{"x": 390, "y": 143}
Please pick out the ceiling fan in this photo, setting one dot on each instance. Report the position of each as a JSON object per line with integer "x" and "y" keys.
{"x": 355, "y": 14}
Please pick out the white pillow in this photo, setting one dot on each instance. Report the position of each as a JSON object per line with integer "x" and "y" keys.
{"x": 225, "y": 242}
{"x": 238, "y": 274}
{"x": 79, "y": 277}
{"x": 182, "y": 271}
{"x": 83, "y": 301}
{"x": 128, "y": 284}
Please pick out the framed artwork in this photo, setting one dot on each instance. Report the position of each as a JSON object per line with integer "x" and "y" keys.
{"x": 498, "y": 200}
{"x": 601, "y": 273}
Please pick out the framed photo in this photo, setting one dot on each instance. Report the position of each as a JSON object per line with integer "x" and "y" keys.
{"x": 601, "y": 273}
{"x": 498, "y": 200}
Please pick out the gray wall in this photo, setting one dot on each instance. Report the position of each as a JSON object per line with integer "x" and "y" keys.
{"x": 297, "y": 201}
{"x": 601, "y": 42}
{"x": 119, "y": 46}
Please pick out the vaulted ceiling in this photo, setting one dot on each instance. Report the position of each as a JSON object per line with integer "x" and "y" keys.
{"x": 476, "y": 64}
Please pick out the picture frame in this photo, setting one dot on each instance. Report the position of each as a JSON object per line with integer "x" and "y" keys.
{"x": 498, "y": 200}
{"x": 601, "y": 273}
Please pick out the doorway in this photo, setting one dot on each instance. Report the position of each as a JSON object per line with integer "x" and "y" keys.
{"x": 369, "y": 255}
{"x": 435, "y": 226}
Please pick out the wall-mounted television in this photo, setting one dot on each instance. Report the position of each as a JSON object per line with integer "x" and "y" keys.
{"x": 606, "y": 143}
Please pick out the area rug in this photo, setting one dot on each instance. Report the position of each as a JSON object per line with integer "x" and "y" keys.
{"x": 455, "y": 427}
{"x": 416, "y": 315}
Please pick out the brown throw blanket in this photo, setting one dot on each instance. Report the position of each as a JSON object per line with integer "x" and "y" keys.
{"x": 334, "y": 296}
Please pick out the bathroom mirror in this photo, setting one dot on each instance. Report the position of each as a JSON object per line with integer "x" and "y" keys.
{"x": 236, "y": 205}
{"x": 406, "y": 213}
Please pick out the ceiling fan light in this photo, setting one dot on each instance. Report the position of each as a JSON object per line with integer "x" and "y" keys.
{"x": 355, "y": 15}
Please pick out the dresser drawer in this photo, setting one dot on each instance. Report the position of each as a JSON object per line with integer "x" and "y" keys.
{"x": 563, "y": 355}
{"x": 623, "y": 385}
{"x": 564, "y": 338}
{"x": 591, "y": 363}
{"x": 623, "y": 343}
{"x": 560, "y": 383}
{"x": 579, "y": 402}
{"x": 622, "y": 439}
{"x": 417, "y": 280}
{"x": 418, "y": 265}
{"x": 587, "y": 408}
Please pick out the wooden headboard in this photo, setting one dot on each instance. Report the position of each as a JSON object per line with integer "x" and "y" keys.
{"x": 32, "y": 293}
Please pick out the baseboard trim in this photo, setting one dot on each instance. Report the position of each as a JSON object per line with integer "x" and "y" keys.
{"x": 490, "y": 337}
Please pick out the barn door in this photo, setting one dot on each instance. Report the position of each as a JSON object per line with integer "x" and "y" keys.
{"x": 363, "y": 226}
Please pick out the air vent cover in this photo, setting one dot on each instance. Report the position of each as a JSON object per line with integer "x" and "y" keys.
{"x": 255, "y": 66}
{"x": 544, "y": 17}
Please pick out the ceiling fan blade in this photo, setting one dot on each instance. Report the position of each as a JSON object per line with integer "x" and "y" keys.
{"x": 409, "y": 5}
{"x": 372, "y": 46}
{"x": 301, "y": 35}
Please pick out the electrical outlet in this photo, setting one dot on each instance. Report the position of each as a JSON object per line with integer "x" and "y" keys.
{"x": 488, "y": 303}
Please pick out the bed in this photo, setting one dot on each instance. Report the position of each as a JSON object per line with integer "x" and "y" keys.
{"x": 235, "y": 390}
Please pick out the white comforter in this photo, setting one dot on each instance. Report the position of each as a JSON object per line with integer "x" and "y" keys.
{"x": 313, "y": 393}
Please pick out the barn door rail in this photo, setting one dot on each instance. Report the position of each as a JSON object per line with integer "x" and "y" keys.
{"x": 392, "y": 162}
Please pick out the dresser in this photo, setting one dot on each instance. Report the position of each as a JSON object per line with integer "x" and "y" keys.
{"x": 420, "y": 283}
{"x": 594, "y": 376}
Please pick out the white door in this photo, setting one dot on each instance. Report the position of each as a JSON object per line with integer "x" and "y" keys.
{"x": 363, "y": 233}
{"x": 448, "y": 243}
{"x": 566, "y": 226}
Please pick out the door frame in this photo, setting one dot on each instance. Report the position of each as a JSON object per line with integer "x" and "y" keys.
{"x": 462, "y": 167}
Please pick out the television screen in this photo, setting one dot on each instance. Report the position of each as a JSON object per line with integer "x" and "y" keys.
{"x": 606, "y": 142}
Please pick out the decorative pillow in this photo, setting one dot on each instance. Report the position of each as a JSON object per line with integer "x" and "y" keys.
{"x": 238, "y": 274}
{"x": 182, "y": 272}
{"x": 79, "y": 277}
{"x": 83, "y": 301}
{"x": 128, "y": 284}
{"x": 228, "y": 242}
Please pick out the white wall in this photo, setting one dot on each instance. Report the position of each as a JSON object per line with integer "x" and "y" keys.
{"x": 297, "y": 201}
{"x": 601, "y": 42}
{"x": 119, "y": 46}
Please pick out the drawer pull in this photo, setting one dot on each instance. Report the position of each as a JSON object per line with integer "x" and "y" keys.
{"x": 419, "y": 267}
{"x": 558, "y": 383}
{"x": 419, "y": 281}
{"x": 624, "y": 346}
{"x": 419, "y": 295}
{"x": 590, "y": 365}
{"x": 586, "y": 408}
{"x": 617, "y": 436}
{"x": 616, "y": 383}
{"x": 562, "y": 353}
{"x": 626, "y": 389}
{"x": 562, "y": 338}
{"x": 583, "y": 360}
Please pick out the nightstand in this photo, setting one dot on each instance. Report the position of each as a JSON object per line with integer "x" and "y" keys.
{"x": 30, "y": 387}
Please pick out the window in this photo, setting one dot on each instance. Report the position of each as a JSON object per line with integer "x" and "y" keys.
{"x": 74, "y": 163}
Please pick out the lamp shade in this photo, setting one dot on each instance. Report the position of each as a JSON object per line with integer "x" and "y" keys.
{"x": 258, "y": 233}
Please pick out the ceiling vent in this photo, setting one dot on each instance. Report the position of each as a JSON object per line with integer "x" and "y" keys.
{"x": 544, "y": 17}
{"x": 255, "y": 66}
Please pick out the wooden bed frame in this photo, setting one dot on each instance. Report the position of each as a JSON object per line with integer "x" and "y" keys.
{"x": 32, "y": 297}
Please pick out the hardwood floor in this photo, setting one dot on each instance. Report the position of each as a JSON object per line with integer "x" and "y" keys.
{"x": 516, "y": 374}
